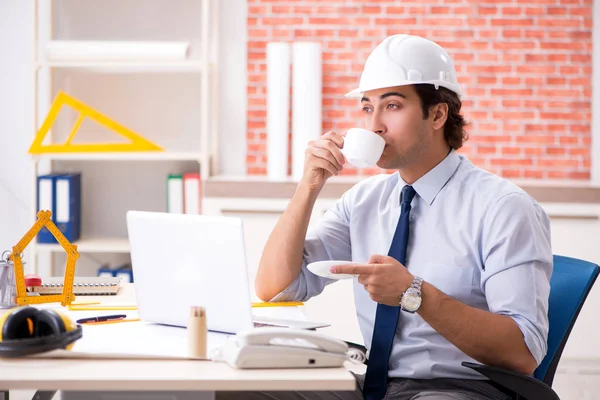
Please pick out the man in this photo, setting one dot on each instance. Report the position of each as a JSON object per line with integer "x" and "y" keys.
{"x": 473, "y": 248}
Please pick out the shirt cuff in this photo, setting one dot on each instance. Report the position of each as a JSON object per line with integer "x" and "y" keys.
{"x": 293, "y": 292}
{"x": 533, "y": 338}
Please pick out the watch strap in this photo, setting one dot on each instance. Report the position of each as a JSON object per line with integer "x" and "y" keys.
{"x": 416, "y": 284}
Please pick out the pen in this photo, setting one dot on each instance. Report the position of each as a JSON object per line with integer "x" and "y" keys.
{"x": 113, "y": 321}
{"x": 101, "y": 318}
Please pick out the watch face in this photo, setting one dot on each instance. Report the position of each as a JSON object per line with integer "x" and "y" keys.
{"x": 411, "y": 301}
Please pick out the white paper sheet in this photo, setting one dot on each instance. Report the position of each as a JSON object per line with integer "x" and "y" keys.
{"x": 82, "y": 50}
{"x": 278, "y": 109}
{"x": 293, "y": 313}
{"x": 306, "y": 100}
{"x": 133, "y": 340}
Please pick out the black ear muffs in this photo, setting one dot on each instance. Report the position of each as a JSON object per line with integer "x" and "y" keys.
{"x": 19, "y": 323}
{"x": 27, "y": 330}
{"x": 49, "y": 323}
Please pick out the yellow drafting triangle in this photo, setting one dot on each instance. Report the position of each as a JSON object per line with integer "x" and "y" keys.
{"x": 138, "y": 143}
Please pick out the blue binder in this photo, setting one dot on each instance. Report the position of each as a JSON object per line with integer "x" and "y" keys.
{"x": 67, "y": 216}
{"x": 105, "y": 271}
{"x": 125, "y": 272}
{"x": 46, "y": 200}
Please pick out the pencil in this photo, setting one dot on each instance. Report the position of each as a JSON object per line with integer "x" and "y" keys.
{"x": 101, "y": 308}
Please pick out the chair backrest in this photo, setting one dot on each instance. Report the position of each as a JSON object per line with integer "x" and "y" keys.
{"x": 570, "y": 284}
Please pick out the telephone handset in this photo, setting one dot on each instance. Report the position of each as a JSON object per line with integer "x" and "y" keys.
{"x": 269, "y": 347}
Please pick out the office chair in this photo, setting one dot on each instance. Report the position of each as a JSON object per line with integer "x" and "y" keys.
{"x": 571, "y": 281}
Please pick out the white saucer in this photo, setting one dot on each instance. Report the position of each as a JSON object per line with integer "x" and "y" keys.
{"x": 321, "y": 268}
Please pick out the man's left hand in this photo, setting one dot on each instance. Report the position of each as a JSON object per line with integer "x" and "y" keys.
{"x": 383, "y": 277}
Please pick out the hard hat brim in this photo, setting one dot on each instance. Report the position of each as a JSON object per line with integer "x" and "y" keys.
{"x": 354, "y": 93}
{"x": 358, "y": 92}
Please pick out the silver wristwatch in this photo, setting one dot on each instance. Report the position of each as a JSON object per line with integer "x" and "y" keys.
{"x": 411, "y": 299}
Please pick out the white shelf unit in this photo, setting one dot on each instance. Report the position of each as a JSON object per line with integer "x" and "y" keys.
{"x": 170, "y": 102}
{"x": 131, "y": 156}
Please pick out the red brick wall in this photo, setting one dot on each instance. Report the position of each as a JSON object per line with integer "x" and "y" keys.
{"x": 525, "y": 68}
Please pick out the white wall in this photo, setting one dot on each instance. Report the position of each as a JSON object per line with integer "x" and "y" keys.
{"x": 16, "y": 100}
{"x": 16, "y": 127}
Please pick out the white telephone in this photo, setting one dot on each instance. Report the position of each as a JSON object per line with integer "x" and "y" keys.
{"x": 268, "y": 347}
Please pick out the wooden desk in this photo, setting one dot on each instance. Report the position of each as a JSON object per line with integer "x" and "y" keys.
{"x": 159, "y": 375}
{"x": 162, "y": 375}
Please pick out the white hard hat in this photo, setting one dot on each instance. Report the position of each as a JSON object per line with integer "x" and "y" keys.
{"x": 407, "y": 60}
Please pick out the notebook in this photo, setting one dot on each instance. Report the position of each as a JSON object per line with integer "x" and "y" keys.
{"x": 93, "y": 285}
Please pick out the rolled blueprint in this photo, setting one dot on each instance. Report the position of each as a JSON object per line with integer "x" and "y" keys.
{"x": 306, "y": 100}
{"x": 82, "y": 50}
{"x": 278, "y": 109}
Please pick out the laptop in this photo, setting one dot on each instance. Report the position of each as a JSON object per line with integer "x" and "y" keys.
{"x": 182, "y": 260}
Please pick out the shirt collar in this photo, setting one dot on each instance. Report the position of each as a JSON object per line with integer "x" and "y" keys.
{"x": 430, "y": 184}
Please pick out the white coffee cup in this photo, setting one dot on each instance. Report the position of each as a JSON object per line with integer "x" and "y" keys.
{"x": 362, "y": 147}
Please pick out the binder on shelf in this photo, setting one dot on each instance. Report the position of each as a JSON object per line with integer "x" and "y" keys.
{"x": 125, "y": 272}
{"x": 46, "y": 200}
{"x": 68, "y": 205}
{"x": 105, "y": 271}
{"x": 192, "y": 193}
{"x": 61, "y": 194}
{"x": 175, "y": 193}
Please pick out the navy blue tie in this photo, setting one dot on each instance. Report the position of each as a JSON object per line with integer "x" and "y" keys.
{"x": 386, "y": 317}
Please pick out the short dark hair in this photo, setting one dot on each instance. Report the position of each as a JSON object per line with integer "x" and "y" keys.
{"x": 454, "y": 128}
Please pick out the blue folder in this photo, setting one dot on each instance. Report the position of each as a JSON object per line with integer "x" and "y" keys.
{"x": 61, "y": 194}
{"x": 67, "y": 216}
{"x": 123, "y": 271}
{"x": 46, "y": 200}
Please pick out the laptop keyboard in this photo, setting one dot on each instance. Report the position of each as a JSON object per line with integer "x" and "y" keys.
{"x": 262, "y": 324}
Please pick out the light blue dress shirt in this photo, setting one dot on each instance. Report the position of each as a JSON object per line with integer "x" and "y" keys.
{"x": 473, "y": 235}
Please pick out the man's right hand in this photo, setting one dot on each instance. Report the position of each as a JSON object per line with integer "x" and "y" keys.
{"x": 323, "y": 159}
